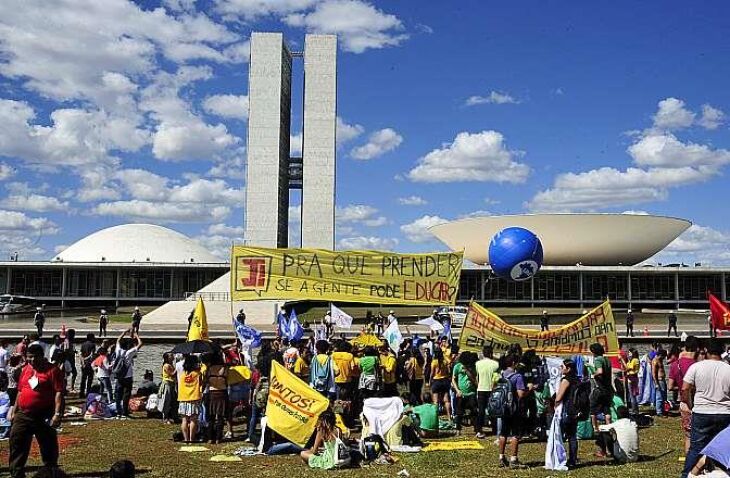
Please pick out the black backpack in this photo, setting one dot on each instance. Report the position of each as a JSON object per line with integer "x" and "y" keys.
{"x": 120, "y": 365}
{"x": 502, "y": 401}
{"x": 578, "y": 404}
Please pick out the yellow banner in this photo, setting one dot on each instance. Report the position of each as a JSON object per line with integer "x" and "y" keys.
{"x": 293, "y": 406}
{"x": 345, "y": 276}
{"x": 483, "y": 327}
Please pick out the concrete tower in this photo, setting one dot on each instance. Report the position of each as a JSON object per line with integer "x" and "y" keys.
{"x": 271, "y": 172}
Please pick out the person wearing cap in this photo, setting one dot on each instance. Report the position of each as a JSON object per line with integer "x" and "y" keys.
{"x": 544, "y": 321}
{"x": 103, "y": 321}
{"x": 37, "y": 412}
{"x": 136, "y": 320}
{"x": 629, "y": 323}
{"x": 40, "y": 320}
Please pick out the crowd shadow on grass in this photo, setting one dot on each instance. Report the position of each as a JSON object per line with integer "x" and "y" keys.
{"x": 603, "y": 462}
{"x": 29, "y": 470}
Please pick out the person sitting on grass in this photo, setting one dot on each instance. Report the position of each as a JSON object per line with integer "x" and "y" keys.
{"x": 325, "y": 439}
{"x": 621, "y": 437}
{"x": 428, "y": 417}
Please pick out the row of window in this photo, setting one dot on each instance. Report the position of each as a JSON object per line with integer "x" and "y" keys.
{"x": 147, "y": 283}
{"x": 555, "y": 286}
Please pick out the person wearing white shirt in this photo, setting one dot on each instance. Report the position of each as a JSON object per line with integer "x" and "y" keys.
{"x": 625, "y": 437}
{"x": 123, "y": 389}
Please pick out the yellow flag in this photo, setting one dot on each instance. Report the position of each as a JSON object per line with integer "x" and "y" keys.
{"x": 199, "y": 326}
{"x": 293, "y": 406}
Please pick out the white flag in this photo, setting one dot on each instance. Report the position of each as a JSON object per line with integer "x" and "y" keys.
{"x": 393, "y": 336}
{"x": 431, "y": 323}
{"x": 340, "y": 318}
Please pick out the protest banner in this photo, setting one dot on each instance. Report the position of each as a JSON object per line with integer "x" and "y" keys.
{"x": 483, "y": 327}
{"x": 293, "y": 407}
{"x": 345, "y": 276}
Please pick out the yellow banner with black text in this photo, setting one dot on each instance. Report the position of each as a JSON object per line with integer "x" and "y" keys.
{"x": 483, "y": 327}
{"x": 345, "y": 276}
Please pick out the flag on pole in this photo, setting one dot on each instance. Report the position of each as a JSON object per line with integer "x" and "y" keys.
{"x": 340, "y": 318}
{"x": 247, "y": 335}
{"x": 296, "y": 331}
{"x": 720, "y": 313}
{"x": 431, "y": 323}
{"x": 199, "y": 325}
{"x": 282, "y": 324}
{"x": 393, "y": 335}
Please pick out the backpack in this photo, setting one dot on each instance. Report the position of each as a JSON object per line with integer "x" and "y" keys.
{"x": 372, "y": 446}
{"x": 502, "y": 401}
{"x": 578, "y": 405}
{"x": 261, "y": 397}
{"x": 120, "y": 365}
{"x": 342, "y": 453}
{"x": 321, "y": 374}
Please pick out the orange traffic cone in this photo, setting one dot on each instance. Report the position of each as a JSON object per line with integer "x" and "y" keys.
{"x": 646, "y": 331}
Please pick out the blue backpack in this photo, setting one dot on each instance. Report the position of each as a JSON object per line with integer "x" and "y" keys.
{"x": 320, "y": 376}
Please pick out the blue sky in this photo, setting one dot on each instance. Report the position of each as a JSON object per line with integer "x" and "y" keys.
{"x": 119, "y": 111}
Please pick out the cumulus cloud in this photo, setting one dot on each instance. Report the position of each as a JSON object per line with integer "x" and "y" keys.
{"x": 227, "y": 106}
{"x": 162, "y": 212}
{"x": 358, "y": 24}
{"x": 412, "y": 201}
{"x": 33, "y": 203}
{"x": 672, "y": 114}
{"x": 665, "y": 150}
{"x": 347, "y": 132}
{"x": 471, "y": 157}
{"x": 23, "y": 234}
{"x": 217, "y": 238}
{"x": 417, "y": 231}
{"x": 368, "y": 243}
{"x": 494, "y": 97}
{"x": 712, "y": 118}
{"x": 361, "y": 214}
{"x": 6, "y": 171}
{"x": 697, "y": 244}
{"x": 253, "y": 9}
{"x": 379, "y": 143}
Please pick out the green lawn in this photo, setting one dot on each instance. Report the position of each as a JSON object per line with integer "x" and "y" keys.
{"x": 90, "y": 450}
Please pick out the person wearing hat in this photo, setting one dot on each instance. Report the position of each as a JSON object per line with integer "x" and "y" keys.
{"x": 103, "y": 321}
{"x": 40, "y": 320}
{"x": 629, "y": 323}
{"x": 136, "y": 320}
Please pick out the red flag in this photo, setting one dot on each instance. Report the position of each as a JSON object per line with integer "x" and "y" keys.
{"x": 720, "y": 313}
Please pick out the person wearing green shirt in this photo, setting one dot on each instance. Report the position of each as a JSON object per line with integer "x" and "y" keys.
{"x": 428, "y": 417}
{"x": 601, "y": 400}
{"x": 486, "y": 369}
{"x": 464, "y": 383}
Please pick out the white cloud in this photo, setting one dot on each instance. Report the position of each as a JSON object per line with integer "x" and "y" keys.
{"x": 673, "y": 115}
{"x": 60, "y": 248}
{"x": 368, "y": 243}
{"x": 665, "y": 150}
{"x": 217, "y": 238}
{"x": 379, "y": 143}
{"x": 6, "y": 171}
{"x": 163, "y": 212}
{"x": 358, "y": 24}
{"x": 347, "y": 132}
{"x": 412, "y": 201}
{"x": 359, "y": 214}
{"x": 225, "y": 230}
{"x": 227, "y": 106}
{"x": 712, "y": 118}
{"x": 697, "y": 244}
{"x": 22, "y": 233}
{"x": 417, "y": 231}
{"x": 491, "y": 202}
{"x": 471, "y": 157}
{"x": 494, "y": 97}
{"x": 477, "y": 213}
{"x": 33, "y": 202}
{"x": 253, "y": 9}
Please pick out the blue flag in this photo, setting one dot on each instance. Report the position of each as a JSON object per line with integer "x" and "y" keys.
{"x": 282, "y": 324}
{"x": 247, "y": 335}
{"x": 296, "y": 331}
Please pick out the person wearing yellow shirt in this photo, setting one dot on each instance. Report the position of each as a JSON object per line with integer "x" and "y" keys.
{"x": 388, "y": 366}
{"x": 440, "y": 380}
{"x": 346, "y": 370}
{"x": 414, "y": 370}
{"x": 190, "y": 395}
{"x": 301, "y": 367}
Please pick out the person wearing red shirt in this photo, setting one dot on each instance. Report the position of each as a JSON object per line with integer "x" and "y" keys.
{"x": 37, "y": 412}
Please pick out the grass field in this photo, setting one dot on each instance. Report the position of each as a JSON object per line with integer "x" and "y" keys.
{"x": 89, "y": 451}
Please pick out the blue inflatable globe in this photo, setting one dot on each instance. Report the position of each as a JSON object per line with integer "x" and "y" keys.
{"x": 515, "y": 253}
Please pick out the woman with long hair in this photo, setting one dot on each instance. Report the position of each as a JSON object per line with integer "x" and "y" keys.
{"x": 440, "y": 380}
{"x": 568, "y": 420}
{"x": 168, "y": 392}
{"x": 217, "y": 380}
{"x": 190, "y": 396}
{"x": 326, "y": 434}
{"x": 414, "y": 371}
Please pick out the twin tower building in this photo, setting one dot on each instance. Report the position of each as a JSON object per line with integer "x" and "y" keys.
{"x": 271, "y": 170}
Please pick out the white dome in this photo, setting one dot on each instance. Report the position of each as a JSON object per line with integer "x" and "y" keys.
{"x": 137, "y": 243}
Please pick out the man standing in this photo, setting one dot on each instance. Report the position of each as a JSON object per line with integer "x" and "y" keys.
{"x": 713, "y": 332}
{"x": 40, "y": 401}
{"x": 103, "y": 321}
{"x": 241, "y": 317}
{"x": 672, "y": 324}
{"x": 629, "y": 324}
{"x": 123, "y": 369}
{"x": 136, "y": 320}
{"x": 544, "y": 321}
{"x": 512, "y": 422}
{"x": 486, "y": 368}
{"x": 88, "y": 352}
{"x": 706, "y": 391}
{"x": 388, "y": 367}
{"x": 602, "y": 399}
{"x": 40, "y": 321}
